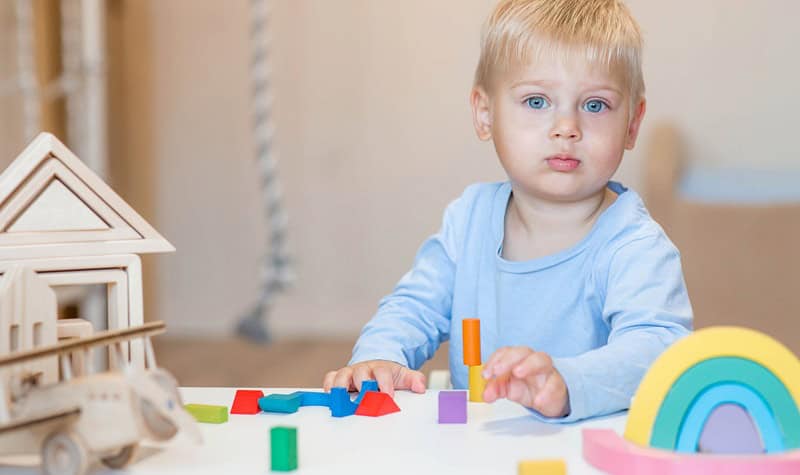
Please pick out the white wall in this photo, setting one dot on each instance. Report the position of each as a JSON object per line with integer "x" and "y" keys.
{"x": 727, "y": 72}
{"x": 374, "y": 135}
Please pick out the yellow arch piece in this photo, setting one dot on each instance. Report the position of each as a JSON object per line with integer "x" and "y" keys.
{"x": 701, "y": 345}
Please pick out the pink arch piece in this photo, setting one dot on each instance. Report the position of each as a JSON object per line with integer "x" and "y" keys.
{"x": 607, "y": 451}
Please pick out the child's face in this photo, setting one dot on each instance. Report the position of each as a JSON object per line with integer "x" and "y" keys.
{"x": 559, "y": 127}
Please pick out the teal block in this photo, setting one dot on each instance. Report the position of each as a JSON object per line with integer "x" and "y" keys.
{"x": 283, "y": 403}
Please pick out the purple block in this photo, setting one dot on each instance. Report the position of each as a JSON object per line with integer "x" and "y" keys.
{"x": 452, "y": 407}
{"x": 730, "y": 430}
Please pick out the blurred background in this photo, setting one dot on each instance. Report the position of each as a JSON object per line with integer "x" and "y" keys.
{"x": 298, "y": 152}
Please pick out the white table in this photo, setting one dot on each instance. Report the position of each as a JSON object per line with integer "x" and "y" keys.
{"x": 496, "y": 437}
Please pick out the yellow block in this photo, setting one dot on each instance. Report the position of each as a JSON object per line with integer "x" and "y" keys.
{"x": 476, "y": 383}
{"x": 542, "y": 467}
{"x": 701, "y": 345}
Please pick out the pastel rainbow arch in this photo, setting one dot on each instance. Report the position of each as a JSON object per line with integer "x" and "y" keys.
{"x": 711, "y": 367}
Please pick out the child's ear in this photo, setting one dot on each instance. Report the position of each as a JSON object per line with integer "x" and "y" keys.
{"x": 635, "y": 123}
{"x": 481, "y": 115}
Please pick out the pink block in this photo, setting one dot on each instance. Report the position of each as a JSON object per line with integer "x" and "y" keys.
{"x": 607, "y": 451}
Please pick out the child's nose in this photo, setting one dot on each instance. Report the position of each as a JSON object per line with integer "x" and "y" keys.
{"x": 565, "y": 128}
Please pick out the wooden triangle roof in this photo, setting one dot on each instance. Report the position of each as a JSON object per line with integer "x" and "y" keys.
{"x": 53, "y": 205}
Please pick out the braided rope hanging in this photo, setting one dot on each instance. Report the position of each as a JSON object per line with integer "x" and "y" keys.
{"x": 275, "y": 271}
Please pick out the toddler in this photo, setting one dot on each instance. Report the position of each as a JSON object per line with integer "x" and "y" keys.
{"x": 577, "y": 288}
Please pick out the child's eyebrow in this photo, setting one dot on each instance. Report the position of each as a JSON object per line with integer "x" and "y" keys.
{"x": 534, "y": 82}
{"x": 602, "y": 87}
{"x": 594, "y": 87}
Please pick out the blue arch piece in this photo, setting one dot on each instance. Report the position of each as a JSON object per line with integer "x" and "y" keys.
{"x": 704, "y": 405}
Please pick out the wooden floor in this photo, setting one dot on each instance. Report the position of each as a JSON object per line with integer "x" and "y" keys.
{"x": 239, "y": 363}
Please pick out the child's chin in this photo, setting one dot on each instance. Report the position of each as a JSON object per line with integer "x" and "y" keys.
{"x": 561, "y": 192}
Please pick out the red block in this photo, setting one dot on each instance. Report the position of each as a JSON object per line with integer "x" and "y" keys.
{"x": 376, "y": 404}
{"x": 246, "y": 401}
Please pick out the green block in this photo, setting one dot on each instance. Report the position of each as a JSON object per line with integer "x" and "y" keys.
{"x": 283, "y": 448}
{"x": 208, "y": 413}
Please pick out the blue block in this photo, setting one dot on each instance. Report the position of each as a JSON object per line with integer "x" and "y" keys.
{"x": 368, "y": 385}
{"x": 283, "y": 403}
{"x": 341, "y": 405}
{"x": 315, "y": 399}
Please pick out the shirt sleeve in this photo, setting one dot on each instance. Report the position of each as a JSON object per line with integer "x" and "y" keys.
{"x": 414, "y": 319}
{"x": 647, "y": 309}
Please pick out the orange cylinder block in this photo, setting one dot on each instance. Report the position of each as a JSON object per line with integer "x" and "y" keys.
{"x": 471, "y": 330}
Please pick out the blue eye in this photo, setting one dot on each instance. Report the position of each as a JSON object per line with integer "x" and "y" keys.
{"x": 537, "y": 102}
{"x": 595, "y": 106}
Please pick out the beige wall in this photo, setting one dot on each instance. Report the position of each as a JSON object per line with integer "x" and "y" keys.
{"x": 374, "y": 135}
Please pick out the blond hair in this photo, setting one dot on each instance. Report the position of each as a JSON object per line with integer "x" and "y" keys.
{"x": 603, "y": 31}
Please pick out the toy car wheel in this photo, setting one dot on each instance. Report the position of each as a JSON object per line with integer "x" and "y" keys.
{"x": 159, "y": 427}
{"x": 121, "y": 458}
{"x": 63, "y": 453}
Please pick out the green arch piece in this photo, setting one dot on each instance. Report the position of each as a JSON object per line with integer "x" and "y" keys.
{"x": 724, "y": 370}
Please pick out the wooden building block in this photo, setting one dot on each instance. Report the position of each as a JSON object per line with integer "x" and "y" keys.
{"x": 476, "y": 383}
{"x": 246, "y": 401}
{"x": 471, "y": 334}
{"x": 283, "y": 403}
{"x": 311, "y": 398}
{"x": 452, "y": 407}
{"x": 607, "y": 451}
{"x": 341, "y": 405}
{"x": 542, "y": 467}
{"x": 730, "y": 430}
{"x": 73, "y": 328}
{"x": 283, "y": 448}
{"x": 208, "y": 413}
{"x": 376, "y": 404}
{"x": 657, "y": 391}
{"x": 695, "y": 418}
{"x": 670, "y": 423}
{"x": 366, "y": 386}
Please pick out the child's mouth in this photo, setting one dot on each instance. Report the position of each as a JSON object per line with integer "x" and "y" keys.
{"x": 563, "y": 164}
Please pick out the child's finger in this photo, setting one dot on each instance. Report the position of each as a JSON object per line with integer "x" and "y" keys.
{"x": 496, "y": 388}
{"x": 553, "y": 399}
{"x": 360, "y": 374}
{"x": 488, "y": 366}
{"x": 491, "y": 392}
{"x": 327, "y": 383}
{"x": 344, "y": 378}
{"x": 413, "y": 380}
{"x": 535, "y": 363}
{"x": 510, "y": 358}
{"x": 383, "y": 375}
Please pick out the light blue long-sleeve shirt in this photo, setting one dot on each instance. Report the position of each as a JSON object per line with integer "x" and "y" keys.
{"x": 603, "y": 309}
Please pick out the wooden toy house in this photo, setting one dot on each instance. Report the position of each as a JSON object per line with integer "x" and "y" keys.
{"x": 61, "y": 220}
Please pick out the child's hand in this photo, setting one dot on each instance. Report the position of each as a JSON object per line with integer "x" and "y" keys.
{"x": 528, "y": 377}
{"x": 388, "y": 374}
